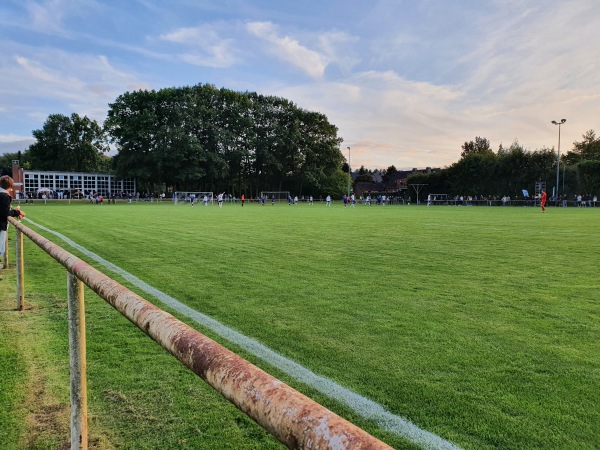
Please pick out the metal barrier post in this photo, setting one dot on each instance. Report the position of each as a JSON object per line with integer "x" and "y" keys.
{"x": 77, "y": 357}
{"x": 20, "y": 272}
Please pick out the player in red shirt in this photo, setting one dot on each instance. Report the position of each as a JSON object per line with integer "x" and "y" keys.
{"x": 543, "y": 201}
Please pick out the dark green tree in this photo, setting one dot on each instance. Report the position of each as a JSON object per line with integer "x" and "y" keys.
{"x": 364, "y": 177}
{"x": 587, "y": 149}
{"x": 473, "y": 174}
{"x": 204, "y": 138}
{"x": 389, "y": 173}
{"x": 588, "y": 177}
{"x": 479, "y": 146}
{"x": 6, "y": 161}
{"x": 68, "y": 143}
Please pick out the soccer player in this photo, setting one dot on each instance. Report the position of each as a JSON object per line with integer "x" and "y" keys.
{"x": 543, "y": 200}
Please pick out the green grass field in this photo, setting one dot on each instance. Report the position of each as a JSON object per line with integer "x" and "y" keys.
{"x": 480, "y": 325}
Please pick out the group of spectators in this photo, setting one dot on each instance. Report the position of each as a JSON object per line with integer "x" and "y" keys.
{"x": 585, "y": 200}
{"x": 93, "y": 196}
{"x": 460, "y": 200}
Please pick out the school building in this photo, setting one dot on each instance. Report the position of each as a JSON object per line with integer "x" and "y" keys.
{"x": 74, "y": 184}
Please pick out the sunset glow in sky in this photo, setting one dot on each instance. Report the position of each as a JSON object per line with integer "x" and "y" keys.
{"x": 406, "y": 82}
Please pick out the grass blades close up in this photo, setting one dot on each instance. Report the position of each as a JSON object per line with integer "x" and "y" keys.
{"x": 480, "y": 325}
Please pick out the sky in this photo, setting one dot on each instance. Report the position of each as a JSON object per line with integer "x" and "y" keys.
{"x": 407, "y": 82}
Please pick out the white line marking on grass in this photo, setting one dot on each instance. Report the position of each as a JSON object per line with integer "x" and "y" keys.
{"x": 363, "y": 406}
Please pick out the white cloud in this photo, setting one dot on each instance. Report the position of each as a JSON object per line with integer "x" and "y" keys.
{"x": 14, "y": 144}
{"x": 381, "y": 113}
{"x": 47, "y": 16}
{"x": 339, "y": 48}
{"x": 12, "y": 137}
{"x": 68, "y": 77}
{"x": 53, "y": 81}
{"x": 205, "y": 46}
{"x": 289, "y": 49}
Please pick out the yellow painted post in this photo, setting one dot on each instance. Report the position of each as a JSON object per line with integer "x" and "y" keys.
{"x": 20, "y": 272}
{"x": 77, "y": 358}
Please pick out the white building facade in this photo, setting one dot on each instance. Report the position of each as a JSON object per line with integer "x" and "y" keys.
{"x": 75, "y": 184}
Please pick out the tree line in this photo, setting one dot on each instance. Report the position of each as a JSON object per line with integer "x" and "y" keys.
{"x": 483, "y": 172}
{"x": 200, "y": 138}
{"x": 209, "y": 139}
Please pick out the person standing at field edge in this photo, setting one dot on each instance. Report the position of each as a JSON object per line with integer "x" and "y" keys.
{"x": 6, "y": 186}
{"x": 220, "y": 199}
{"x": 543, "y": 200}
{"x": 243, "y": 199}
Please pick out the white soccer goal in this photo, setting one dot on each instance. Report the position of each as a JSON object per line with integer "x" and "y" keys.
{"x": 182, "y": 198}
{"x": 279, "y": 196}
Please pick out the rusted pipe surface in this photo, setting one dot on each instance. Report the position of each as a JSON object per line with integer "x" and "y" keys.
{"x": 294, "y": 419}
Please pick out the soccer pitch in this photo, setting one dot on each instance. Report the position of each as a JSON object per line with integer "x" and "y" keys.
{"x": 479, "y": 325}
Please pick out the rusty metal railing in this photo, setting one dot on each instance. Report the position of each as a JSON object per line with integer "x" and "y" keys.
{"x": 294, "y": 419}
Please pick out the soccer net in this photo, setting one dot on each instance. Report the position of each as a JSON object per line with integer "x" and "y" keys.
{"x": 182, "y": 198}
{"x": 279, "y": 196}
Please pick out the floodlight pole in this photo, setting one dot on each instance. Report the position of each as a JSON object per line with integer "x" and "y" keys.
{"x": 349, "y": 176}
{"x": 558, "y": 156}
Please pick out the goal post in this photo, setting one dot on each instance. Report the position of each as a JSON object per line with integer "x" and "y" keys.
{"x": 186, "y": 197}
{"x": 278, "y": 196}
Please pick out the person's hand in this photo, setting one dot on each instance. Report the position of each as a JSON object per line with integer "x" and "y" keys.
{"x": 21, "y": 213}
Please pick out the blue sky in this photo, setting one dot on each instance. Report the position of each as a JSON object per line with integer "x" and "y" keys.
{"x": 406, "y": 82}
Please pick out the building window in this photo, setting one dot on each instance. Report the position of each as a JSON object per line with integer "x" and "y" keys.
{"x": 61, "y": 182}
{"x": 89, "y": 183}
{"x": 103, "y": 185}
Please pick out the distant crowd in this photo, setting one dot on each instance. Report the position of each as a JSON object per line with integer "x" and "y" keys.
{"x": 351, "y": 200}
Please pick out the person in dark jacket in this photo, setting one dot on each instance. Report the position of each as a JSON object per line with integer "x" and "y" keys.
{"x": 6, "y": 186}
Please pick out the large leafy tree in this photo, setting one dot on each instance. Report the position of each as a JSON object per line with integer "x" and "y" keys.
{"x": 69, "y": 144}
{"x": 480, "y": 171}
{"x": 588, "y": 177}
{"x": 479, "y": 146}
{"x": 204, "y": 138}
{"x": 588, "y": 149}
{"x": 6, "y": 161}
{"x": 389, "y": 173}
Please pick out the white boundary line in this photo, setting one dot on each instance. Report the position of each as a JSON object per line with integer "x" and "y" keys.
{"x": 363, "y": 406}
